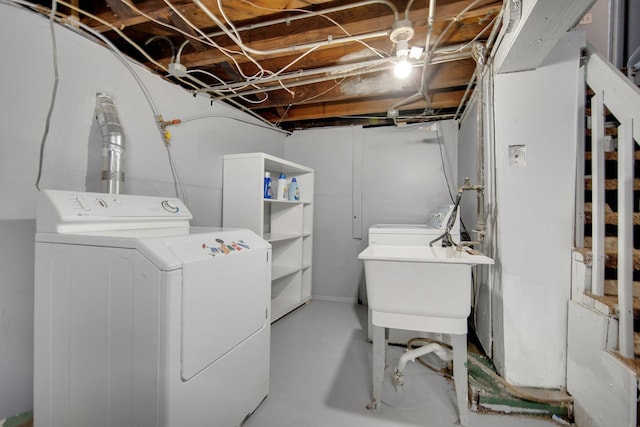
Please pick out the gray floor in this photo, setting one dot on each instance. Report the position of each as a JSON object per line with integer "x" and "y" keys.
{"x": 320, "y": 376}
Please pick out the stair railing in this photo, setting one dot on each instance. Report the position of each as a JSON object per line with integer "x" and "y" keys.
{"x": 615, "y": 93}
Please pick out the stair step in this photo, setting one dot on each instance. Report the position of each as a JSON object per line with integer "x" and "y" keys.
{"x": 611, "y": 288}
{"x": 610, "y": 155}
{"x": 611, "y": 218}
{"x": 613, "y": 131}
{"x": 610, "y": 252}
{"x": 611, "y": 301}
{"x": 587, "y": 110}
{"x": 609, "y": 184}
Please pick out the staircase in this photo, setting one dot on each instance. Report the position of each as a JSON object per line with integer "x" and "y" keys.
{"x": 609, "y": 296}
{"x": 604, "y": 314}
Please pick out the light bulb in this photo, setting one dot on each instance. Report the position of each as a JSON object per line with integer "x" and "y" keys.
{"x": 402, "y": 68}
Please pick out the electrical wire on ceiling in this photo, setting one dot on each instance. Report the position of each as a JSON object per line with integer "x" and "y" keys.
{"x": 324, "y": 15}
{"x": 264, "y": 75}
{"x": 206, "y": 38}
{"x": 89, "y": 30}
{"x": 262, "y": 81}
{"x": 259, "y": 101}
{"x": 168, "y": 40}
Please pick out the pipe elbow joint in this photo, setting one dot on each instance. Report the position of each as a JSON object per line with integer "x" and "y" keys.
{"x": 398, "y": 377}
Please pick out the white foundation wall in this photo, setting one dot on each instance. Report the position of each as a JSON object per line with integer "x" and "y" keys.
{"x": 535, "y": 111}
{"x": 86, "y": 68}
{"x": 367, "y": 176}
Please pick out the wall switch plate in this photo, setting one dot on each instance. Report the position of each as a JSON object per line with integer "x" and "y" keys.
{"x": 517, "y": 155}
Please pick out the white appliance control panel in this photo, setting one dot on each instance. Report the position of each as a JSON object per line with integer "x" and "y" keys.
{"x": 73, "y": 211}
{"x": 440, "y": 216}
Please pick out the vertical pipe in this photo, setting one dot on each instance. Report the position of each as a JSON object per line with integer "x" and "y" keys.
{"x": 113, "y": 148}
{"x": 626, "y": 163}
{"x": 478, "y": 53}
{"x": 597, "y": 193}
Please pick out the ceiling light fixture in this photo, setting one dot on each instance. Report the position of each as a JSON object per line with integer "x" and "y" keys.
{"x": 401, "y": 33}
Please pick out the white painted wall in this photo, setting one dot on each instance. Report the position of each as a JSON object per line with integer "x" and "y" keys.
{"x": 598, "y": 27}
{"x": 86, "y": 68}
{"x": 537, "y": 109}
{"x": 390, "y": 175}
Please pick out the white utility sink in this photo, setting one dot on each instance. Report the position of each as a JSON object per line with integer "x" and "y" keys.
{"x": 420, "y": 281}
{"x": 420, "y": 288}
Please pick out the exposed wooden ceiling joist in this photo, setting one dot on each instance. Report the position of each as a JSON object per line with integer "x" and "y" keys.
{"x": 287, "y": 97}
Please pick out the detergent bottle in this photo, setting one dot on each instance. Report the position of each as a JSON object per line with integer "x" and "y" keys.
{"x": 282, "y": 187}
{"x": 294, "y": 190}
{"x": 267, "y": 186}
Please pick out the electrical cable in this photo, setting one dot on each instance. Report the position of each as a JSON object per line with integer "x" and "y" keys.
{"x": 444, "y": 171}
{"x": 444, "y": 168}
{"x": 177, "y": 181}
{"x": 167, "y": 39}
{"x": 54, "y": 91}
{"x": 251, "y": 101}
{"x": 218, "y": 116}
{"x": 201, "y": 84}
{"x": 334, "y": 22}
{"x": 235, "y": 32}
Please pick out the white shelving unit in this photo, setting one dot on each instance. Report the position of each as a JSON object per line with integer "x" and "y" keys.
{"x": 287, "y": 225}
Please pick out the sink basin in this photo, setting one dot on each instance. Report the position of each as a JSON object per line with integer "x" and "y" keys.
{"x": 425, "y": 288}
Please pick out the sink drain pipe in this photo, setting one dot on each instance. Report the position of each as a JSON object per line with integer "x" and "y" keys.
{"x": 411, "y": 356}
{"x": 112, "y": 144}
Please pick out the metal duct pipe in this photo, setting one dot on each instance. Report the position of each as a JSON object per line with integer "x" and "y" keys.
{"x": 112, "y": 144}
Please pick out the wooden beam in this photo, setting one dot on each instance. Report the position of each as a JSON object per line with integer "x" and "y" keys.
{"x": 448, "y": 99}
{"x": 120, "y": 9}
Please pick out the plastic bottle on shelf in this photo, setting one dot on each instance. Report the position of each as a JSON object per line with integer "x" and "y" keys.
{"x": 282, "y": 187}
{"x": 267, "y": 186}
{"x": 294, "y": 190}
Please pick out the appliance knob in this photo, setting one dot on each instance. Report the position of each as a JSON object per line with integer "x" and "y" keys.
{"x": 169, "y": 207}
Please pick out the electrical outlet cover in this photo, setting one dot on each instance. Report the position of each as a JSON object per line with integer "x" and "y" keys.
{"x": 517, "y": 155}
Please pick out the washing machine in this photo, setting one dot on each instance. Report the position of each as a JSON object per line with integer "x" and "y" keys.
{"x": 413, "y": 235}
{"x": 142, "y": 320}
{"x": 416, "y": 234}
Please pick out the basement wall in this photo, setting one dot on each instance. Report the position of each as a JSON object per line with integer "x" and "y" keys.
{"x": 365, "y": 177}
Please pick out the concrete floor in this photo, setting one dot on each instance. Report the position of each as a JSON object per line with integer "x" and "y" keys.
{"x": 321, "y": 376}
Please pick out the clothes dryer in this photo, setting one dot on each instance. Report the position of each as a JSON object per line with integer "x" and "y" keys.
{"x": 142, "y": 320}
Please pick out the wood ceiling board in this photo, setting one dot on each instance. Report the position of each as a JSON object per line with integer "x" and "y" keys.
{"x": 449, "y": 99}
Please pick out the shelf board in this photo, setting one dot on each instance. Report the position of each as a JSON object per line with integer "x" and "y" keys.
{"x": 280, "y": 271}
{"x": 305, "y": 235}
{"x": 279, "y": 237}
{"x": 304, "y": 267}
{"x": 293, "y": 202}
